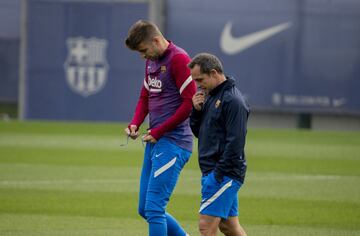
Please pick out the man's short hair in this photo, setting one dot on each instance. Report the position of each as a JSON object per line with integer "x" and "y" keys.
{"x": 141, "y": 31}
{"x": 207, "y": 63}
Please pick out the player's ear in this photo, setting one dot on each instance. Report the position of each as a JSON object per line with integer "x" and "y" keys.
{"x": 156, "y": 40}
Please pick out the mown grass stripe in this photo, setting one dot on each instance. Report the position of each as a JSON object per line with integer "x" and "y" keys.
{"x": 76, "y": 180}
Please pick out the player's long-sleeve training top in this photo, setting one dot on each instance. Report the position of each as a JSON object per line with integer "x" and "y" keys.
{"x": 166, "y": 96}
{"x": 221, "y": 129}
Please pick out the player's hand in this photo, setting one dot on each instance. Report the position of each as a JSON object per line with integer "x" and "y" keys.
{"x": 198, "y": 100}
{"x": 148, "y": 138}
{"x": 132, "y": 132}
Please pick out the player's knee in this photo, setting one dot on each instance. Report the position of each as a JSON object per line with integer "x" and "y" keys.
{"x": 154, "y": 216}
{"x": 141, "y": 211}
{"x": 153, "y": 209}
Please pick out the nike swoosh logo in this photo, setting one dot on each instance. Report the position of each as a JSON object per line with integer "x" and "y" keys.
{"x": 157, "y": 155}
{"x": 339, "y": 102}
{"x": 231, "y": 45}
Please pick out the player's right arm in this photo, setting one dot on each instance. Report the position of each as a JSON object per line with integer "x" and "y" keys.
{"x": 141, "y": 111}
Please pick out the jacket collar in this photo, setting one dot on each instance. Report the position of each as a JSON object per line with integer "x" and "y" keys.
{"x": 228, "y": 83}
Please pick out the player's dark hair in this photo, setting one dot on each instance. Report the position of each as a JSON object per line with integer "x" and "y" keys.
{"x": 207, "y": 63}
{"x": 141, "y": 31}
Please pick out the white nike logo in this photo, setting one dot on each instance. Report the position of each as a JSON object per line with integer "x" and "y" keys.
{"x": 231, "y": 45}
{"x": 157, "y": 155}
{"x": 339, "y": 102}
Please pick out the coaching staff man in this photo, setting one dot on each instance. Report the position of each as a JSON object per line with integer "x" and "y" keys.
{"x": 218, "y": 120}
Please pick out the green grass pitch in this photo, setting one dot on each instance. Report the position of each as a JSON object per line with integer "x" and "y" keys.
{"x": 75, "y": 179}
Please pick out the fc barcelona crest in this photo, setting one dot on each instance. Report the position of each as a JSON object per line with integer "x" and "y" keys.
{"x": 163, "y": 69}
{"x": 217, "y": 104}
{"x": 86, "y": 67}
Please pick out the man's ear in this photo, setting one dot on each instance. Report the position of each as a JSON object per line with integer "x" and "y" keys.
{"x": 213, "y": 73}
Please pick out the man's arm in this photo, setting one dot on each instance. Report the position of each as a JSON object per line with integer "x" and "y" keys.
{"x": 142, "y": 107}
{"x": 235, "y": 126}
{"x": 187, "y": 88}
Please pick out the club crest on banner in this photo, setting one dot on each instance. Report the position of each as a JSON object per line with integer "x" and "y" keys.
{"x": 86, "y": 67}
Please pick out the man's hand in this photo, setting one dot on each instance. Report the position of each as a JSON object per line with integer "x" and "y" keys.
{"x": 198, "y": 100}
{"x": 132, "y": 131}
{"x": 148, "y": 138}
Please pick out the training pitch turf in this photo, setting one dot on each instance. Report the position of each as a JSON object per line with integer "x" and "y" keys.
{"x": 75, "y": 179}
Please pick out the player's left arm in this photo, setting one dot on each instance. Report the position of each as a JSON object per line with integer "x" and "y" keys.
{"x": 187, "y": 88}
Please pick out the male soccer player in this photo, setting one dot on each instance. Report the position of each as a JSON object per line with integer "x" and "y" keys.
{"x": 166, "y": 96}
{"x": 218, "y": 120}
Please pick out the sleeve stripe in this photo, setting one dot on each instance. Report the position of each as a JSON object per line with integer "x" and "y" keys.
{"x": 185, "y": 84}
{"x": 146, "y": 85}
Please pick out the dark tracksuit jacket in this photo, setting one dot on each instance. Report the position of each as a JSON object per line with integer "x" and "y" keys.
{"x": 221, "y": 128}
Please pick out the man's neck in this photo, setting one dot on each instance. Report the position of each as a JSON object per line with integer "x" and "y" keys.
{"x": 164, "y": 44}
{"x": 221, "y": 79}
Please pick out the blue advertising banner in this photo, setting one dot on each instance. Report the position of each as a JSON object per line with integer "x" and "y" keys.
{"x": 9, "y": 19}
{"x": 9, "y": 70}
{"x": 9, "y": 50}
{"x": 78, "y": 67}
{"x": 287, "y": 55}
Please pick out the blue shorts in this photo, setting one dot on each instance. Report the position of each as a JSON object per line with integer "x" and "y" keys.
{"x": 219, "y": 199}
{"x": 163, "y": 162}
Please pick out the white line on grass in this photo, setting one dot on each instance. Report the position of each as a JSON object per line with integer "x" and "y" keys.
{"x": 296, "y": 177}
{"x": 91, "y": 142}
{"x": 184, "y": 179}
{"x": 66, "y": 181}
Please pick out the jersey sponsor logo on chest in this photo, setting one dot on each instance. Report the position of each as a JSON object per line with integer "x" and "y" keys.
{"x": 155, "y": 84}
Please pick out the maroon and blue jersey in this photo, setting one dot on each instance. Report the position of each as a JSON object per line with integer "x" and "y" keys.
{"x": 166, "y": 96}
